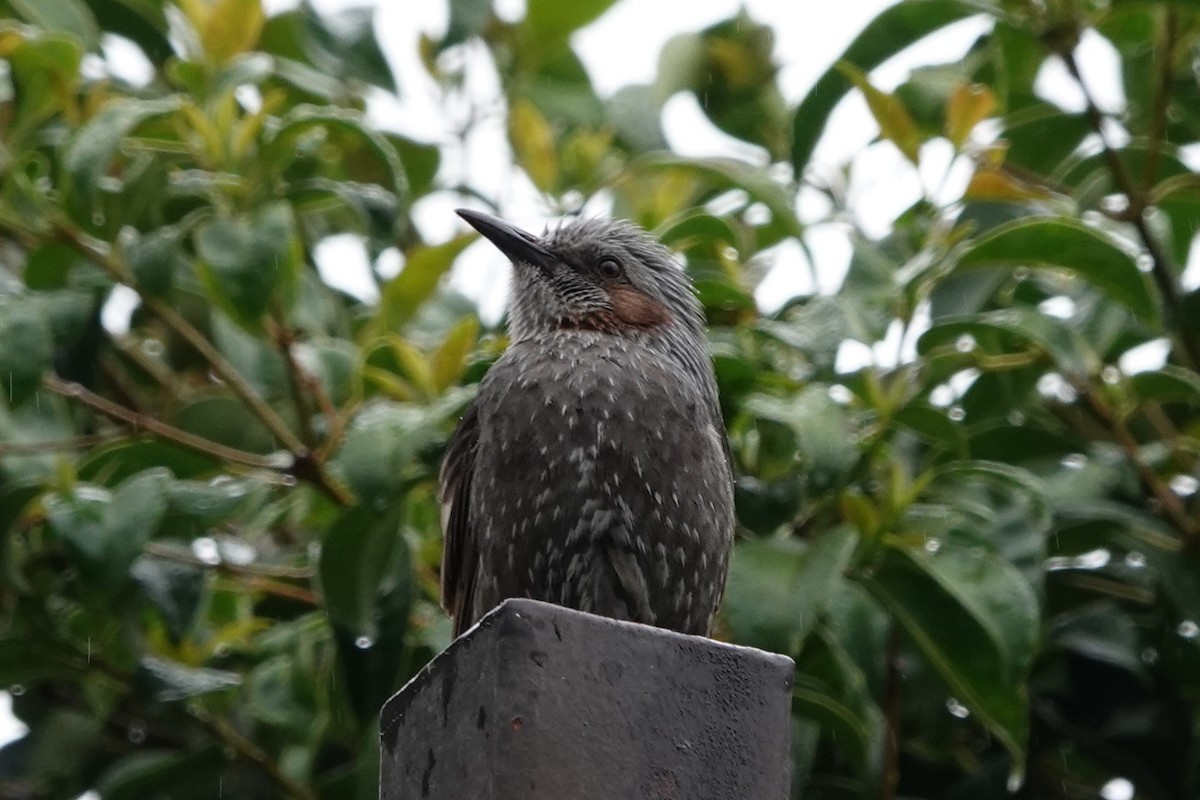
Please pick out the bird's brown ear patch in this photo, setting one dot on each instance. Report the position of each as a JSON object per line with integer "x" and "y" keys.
{"x": 637, "y": 310}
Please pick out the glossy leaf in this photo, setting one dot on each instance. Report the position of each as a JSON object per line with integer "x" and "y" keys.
{"x": 247, "y": 260}
{"x": 66, "y": 16}
{"x": 895, "y": 123}
{"x": 94, "y": 147}
{"x": 777, "y": 588}
{"x": 404, "y": 295}
{"x": 1069, "y": 245}
{"x": 104, "y": 531}
{"x": 975, "y": 618}
{"x": 25, "y": 348}
{"x": 889, "y": 33}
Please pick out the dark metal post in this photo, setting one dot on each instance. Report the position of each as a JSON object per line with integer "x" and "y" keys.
{"x": 540, "y": 702}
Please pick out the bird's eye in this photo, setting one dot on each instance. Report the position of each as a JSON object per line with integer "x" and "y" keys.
{"x": 610, "y": 268}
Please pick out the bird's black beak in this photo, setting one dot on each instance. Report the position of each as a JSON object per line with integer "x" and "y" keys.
{"x": 519, "y": 246}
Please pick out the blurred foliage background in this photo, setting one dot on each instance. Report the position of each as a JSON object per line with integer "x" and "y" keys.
{"x": 218, "y": 530}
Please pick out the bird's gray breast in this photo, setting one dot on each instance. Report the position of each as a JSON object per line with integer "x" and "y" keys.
{"x": 601, "y": 482}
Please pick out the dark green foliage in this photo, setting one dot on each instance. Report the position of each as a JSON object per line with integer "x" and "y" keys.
{"x": 219, "y": 531}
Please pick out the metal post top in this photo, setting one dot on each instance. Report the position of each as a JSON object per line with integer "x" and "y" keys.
{"x": 539, "y": 701}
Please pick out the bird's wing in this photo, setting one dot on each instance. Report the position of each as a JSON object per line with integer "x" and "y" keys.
{"x": 460, "y": 559}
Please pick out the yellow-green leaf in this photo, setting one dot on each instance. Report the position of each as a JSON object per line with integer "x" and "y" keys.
{"x": 231, "y": 27}
{"x": 449, "y": 361}
{"x": 895, "y": 123}
{"x": 994, "y": 185}
{"x": 969, "y": 105}
{"x": 533, "y": 143}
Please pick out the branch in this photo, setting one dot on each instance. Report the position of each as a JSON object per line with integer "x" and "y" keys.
{"x": 101, "y": 254}
{"x": 1160, "y": 263}
{"x": 297, "y": 380}
{"x": 1171, "y": 505}
{"x": 249, "y": 751}
{"x": 139, "y": 422}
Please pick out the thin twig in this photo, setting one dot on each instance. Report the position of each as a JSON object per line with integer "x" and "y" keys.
{"x": 182, "y": 556}
{"x": 249, "y": 751}
{"x": 101, "y": 254}
{"x": 284, "y": 339}
{"x": 139, "y": 422}
{"x": 1170, "y": 503}
{"x": 1161, "y": 269}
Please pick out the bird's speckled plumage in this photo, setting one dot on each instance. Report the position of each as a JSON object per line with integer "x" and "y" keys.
{"x": 592, "y": 469}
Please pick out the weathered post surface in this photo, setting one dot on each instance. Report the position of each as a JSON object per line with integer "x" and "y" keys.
{"x": 540, "y": 702}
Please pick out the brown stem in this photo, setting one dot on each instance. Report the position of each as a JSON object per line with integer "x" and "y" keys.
{"x": 101, "y": 254}
{"x": 139, "y": 422}
{"x": 1172, "y": 507}
{"x": 249, "y": 751}
{"x": 284, "y": 339}
{"x": 181, "y": 555}
{"x": 1161, "y": 269}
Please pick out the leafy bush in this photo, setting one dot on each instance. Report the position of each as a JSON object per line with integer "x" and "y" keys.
{"x": 219, "y": 540}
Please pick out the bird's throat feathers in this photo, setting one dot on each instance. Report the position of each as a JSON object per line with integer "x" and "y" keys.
{"x": 629, "y": 311}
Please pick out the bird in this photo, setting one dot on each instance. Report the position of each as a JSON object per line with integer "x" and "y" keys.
{"x": 591, "y": 470}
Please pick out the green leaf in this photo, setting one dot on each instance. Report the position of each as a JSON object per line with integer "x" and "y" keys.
{"x": 1170, "y": 384}
{"x": 154, "y": 258}
{"x": 931, "y": 424}
{"x": 105, "y": 532}
{"x": 975, "y": 618}
{"x": 226, "y": 420}
{"x": 25, "y": 661}
{"x": 91, "y": 151}
{"x": 467, "y": 20}
{"x": 247, "y": 259}
{"x": 727, "y": 173}
{"x": 117, "y": 462}
{"x": 305, "y": 121}
{"x": 50, "y": 266}
{"x": 368, "y": 584}
{"x": 174, "y": 589}
{"x": 344, "y": 44}
{"x": 424, "y": 267}
{"x": 25, "y": 348}
{"x": 1013, "y": 330}
{"x": 1066, "y": 244}
{"x": 1102, "y": 632}
{"x": 777, "y": 588}
{"x": 826, "y": 445}
{"x": 762, "y": 506}
{"x": 356, "y": 557}
{"x": 180, "y": 775}
{"x": 143, "y": 23}
{"x": 381, "y": 449}
{"x": 61, "y": 16}
{"x": 548, "y": 23}
{"x": 164, "y": 681}
{"x": 832, "y": 690}
{"x": 892, "y": 31}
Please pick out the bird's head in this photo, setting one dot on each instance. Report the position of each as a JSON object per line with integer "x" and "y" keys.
{"x": 601, "y": 275}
